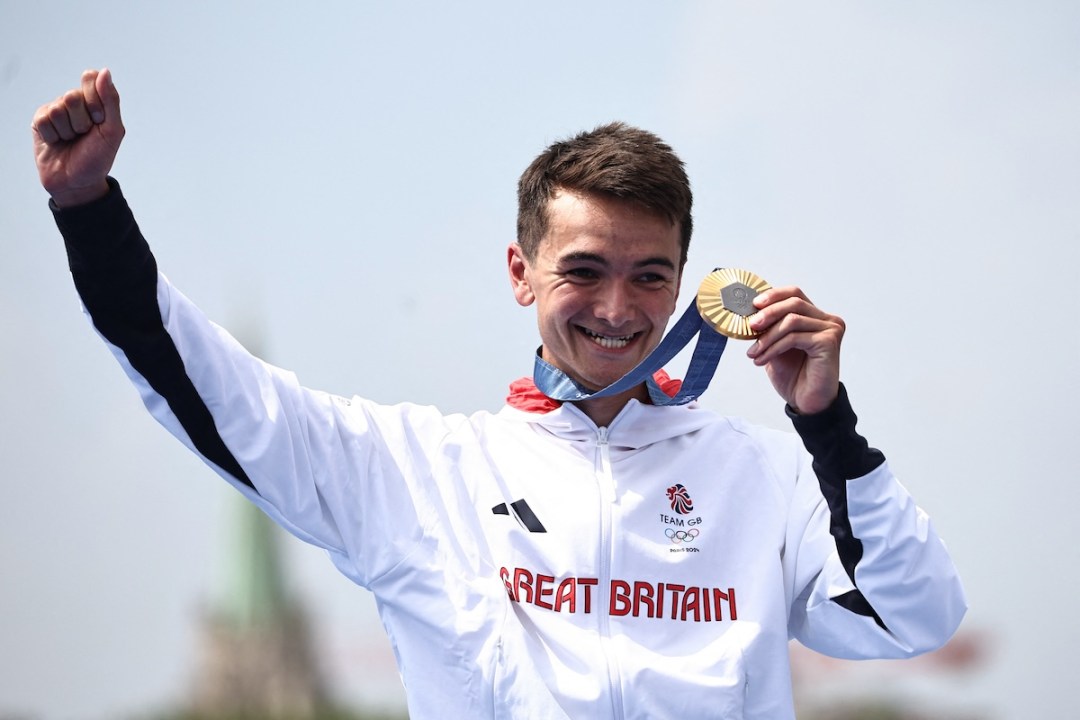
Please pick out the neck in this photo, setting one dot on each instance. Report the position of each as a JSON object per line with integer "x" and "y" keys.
{"x": 603, "y": 410}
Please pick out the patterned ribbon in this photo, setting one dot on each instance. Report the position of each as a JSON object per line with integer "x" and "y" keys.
{"x": 557, "y": 385}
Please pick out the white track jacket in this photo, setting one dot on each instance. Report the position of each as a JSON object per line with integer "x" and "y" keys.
{"x": 528, "y": 564}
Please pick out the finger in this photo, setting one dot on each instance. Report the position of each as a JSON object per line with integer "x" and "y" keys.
{"x": 109, "y": 95}
{"x": 78, "y": 113}
{"x": 803, "y": 341}
{"x": 43, "y": 127}
{"x": 775, "y": 310}
{"x": 58, "y": 116}
{"x": 777, "y": 294}
{"x": 767, "y": 342}
{"x": 797, "y": 332}
{"x": 91, "y": 97}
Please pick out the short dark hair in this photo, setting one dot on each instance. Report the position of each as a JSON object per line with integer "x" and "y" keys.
{"x": 616, "y": 160}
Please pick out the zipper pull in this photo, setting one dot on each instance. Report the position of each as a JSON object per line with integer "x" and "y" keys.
{"x": 603, "y": 452}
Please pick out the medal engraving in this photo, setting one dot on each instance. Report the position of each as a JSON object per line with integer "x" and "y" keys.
{"x": 739, "y": 298}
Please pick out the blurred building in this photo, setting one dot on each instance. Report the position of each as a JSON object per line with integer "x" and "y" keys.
{"x": 255, "y": 654}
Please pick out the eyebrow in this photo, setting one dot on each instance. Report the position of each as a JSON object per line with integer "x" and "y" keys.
{"x": 582, "y": 256}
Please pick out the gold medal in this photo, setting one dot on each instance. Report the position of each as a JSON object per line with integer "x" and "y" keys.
{"x": 726, "y": 300}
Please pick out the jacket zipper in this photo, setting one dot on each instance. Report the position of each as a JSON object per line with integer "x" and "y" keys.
{"x": 606, "y": 481}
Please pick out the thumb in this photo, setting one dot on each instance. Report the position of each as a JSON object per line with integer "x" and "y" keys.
{"x": 110, "y": 100}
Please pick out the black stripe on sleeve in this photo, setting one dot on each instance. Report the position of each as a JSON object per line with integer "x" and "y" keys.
{"x": 854, "y": 601}
{"x": 115, "y": 274}
{"x": 840, "y": 454}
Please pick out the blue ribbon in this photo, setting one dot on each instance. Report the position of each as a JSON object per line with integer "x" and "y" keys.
{"x": 557, "y": 385}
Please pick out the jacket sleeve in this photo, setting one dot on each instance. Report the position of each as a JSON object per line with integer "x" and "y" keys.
{"x": 328, "y": 469}
{"x": 886, "y": 587}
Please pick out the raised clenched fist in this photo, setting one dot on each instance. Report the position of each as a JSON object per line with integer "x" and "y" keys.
{"x": 76, "y": 138}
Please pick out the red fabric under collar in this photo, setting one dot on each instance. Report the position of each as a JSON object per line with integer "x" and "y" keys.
{"x": 524, "y": 395}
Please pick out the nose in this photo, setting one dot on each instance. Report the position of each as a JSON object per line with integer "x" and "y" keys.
{"x": 614, "y": 304}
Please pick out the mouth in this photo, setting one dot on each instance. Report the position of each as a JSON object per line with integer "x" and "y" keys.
{"x": 608, "y": 342}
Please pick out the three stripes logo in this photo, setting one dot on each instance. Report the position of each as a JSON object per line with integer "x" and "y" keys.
{"x": 523, "y": 513}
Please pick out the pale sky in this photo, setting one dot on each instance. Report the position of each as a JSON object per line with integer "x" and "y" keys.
{"x": 337, "y": 183}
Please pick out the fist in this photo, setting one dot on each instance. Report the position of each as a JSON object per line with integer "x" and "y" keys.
{"x": 76, "y": 138}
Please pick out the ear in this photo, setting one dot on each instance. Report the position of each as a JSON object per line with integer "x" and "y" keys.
{"x": 519, "y": 275}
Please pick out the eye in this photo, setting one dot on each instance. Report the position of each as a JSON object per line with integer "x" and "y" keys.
{"x": 652, "y": 278}
{"x": 582, "y": 273}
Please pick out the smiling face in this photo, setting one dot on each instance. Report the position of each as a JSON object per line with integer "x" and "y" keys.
{"x": 605, "y": 279}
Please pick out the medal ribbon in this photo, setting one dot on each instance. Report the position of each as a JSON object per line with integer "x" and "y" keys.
{"x": 557, "y": 385}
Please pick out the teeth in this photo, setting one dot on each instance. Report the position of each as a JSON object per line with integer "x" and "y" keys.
{"x": 611, "y": 343}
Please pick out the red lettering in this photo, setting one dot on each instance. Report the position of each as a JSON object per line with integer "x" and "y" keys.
{"x": 541, "y": 591}
{"x": 620, "y": 598}
{"x": 588, "y": 583}
{"x": 729, "y": 596}
{"x": 643, "y": 596}
{"x": 690, "y": 604}
{"x": 567, "y": 593}
{"x": 505, "y": 575}
{"x": 675, "y": 590}
{"x": 523, "y": 582}
{"x": 639, "y": 598}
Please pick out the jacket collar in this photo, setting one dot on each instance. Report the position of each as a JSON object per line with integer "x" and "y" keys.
{"x": 637, "y": 424}
{"x": 524, "y": 395}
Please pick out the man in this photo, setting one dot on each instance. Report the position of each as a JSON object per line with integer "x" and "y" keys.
{"x": 609, "y": 557}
